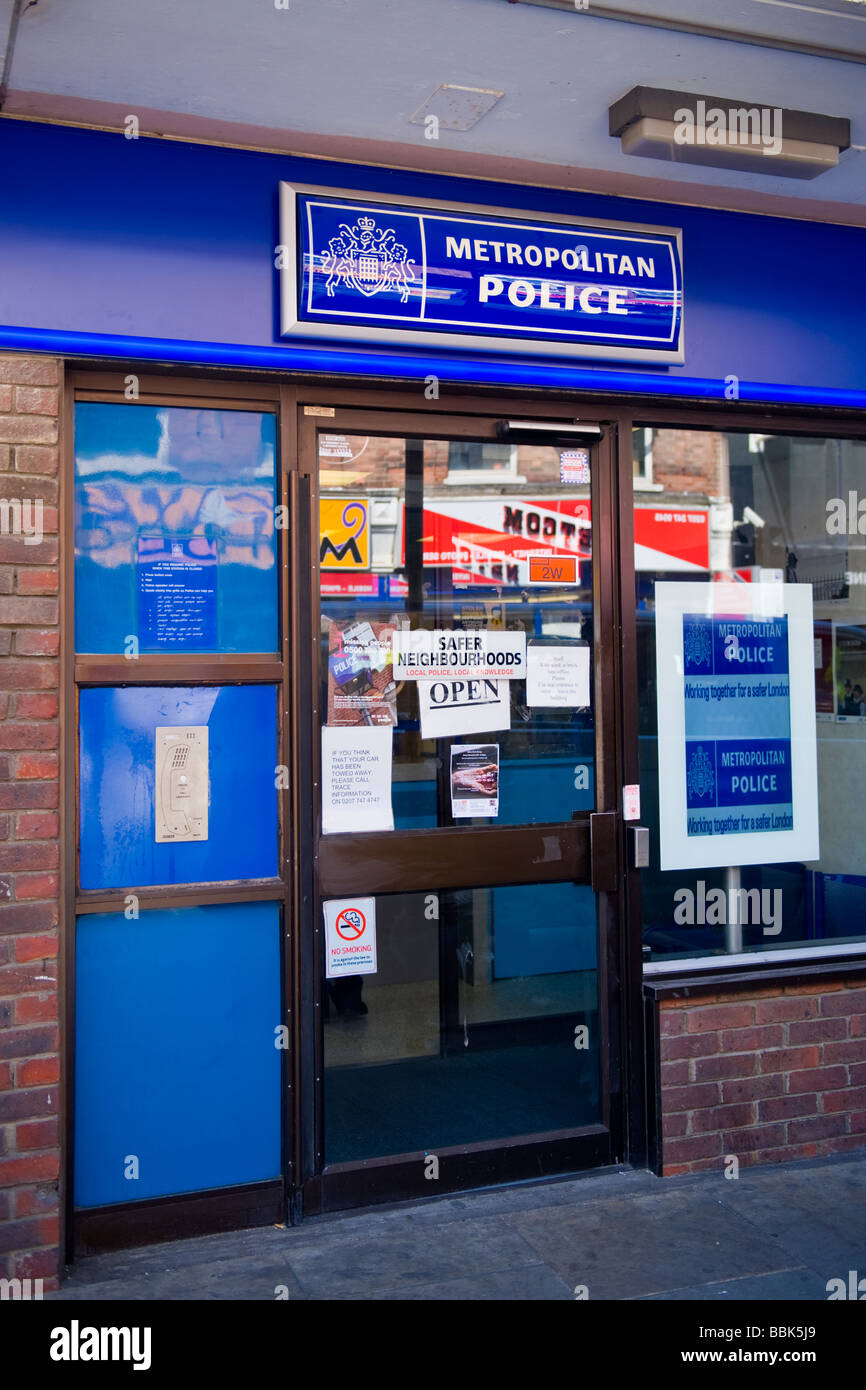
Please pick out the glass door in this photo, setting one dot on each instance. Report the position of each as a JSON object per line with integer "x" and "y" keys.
{"x": 465, "y": 930}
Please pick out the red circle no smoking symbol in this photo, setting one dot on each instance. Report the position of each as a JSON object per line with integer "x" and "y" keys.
{"x": 351, "y": 924}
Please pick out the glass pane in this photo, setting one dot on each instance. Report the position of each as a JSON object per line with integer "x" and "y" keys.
{"x": 481, "y": 1023}
{"x": 460, "y": 536}
{"x": 772, "y": 509}
{"x": 175, "y": 541}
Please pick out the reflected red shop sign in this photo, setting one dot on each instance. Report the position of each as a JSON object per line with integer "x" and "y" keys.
{"x": 491, "y": 540}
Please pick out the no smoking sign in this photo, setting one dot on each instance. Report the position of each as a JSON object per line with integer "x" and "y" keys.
{"x": 350, "y": 937}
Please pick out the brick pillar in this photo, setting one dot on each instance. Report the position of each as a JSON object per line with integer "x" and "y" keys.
{"x": 29, "y": 816}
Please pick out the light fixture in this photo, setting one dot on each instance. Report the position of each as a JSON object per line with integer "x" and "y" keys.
{"x": 689, "y": 128}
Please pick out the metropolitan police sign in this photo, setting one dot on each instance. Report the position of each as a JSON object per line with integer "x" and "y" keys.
{"x": 421, "y": 272}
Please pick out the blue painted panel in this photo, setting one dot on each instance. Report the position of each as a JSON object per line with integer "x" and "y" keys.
{"x": 175, "y": 1060}
{"x": 533, "y": 790}
{"x": 198, "y": 224}
{"x": 117, "y": 813}
{"x": 194, "y": 491}
{"x": 543, "y": 929}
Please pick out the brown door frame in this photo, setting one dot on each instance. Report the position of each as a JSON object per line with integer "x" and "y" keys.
{"x": 373, "y": 862}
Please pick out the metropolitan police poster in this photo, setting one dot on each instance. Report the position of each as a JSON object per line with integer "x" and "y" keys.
{"x": 736, "y": 724}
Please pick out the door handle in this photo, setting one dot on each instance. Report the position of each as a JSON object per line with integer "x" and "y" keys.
{"x": 602, "y": 846}
{"x": 639, "y": 846}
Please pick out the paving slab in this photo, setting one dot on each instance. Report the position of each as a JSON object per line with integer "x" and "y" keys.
{"x": 775, "y": 1233}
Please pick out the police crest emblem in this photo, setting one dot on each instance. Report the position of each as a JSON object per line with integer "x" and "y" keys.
{"x": 369, "y": 259}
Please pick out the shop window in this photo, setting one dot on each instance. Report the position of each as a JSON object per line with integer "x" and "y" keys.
{"x": 175, "y": 537}
{"x": 782, "y": 516}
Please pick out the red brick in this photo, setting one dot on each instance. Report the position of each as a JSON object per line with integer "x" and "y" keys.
{"x": 28, "y": 429}
{"x": 723, "y": 1068}
{"x": 36, "y": 706}
{"x": 19, "y": 1235}
{"x": 698, "y": 1045}
{"x": 37, "y": 458}
{"x": 35, "y": 1008}
{"x": 29, "y": 886}
{"x": 678, "y": 1098}
{"x": 26, "y": 1042}
{"x": 14, "y": 549}
{"x": 38, "y": 1264}
{"x": 857, "y": 1073}
{"x": 752, "y": 1039}
{"x": 817, "y": 1079}
{"x": 31, "y": 675}
{"x": 5, "y": 1076}
{"x": 37, "y": 825}
{"x": 844, "y": 1001}
{"x": 29, "y": 371}
{"x": 849, "y": 1098}
{"x": 674, "y": 1073}
{"x": 722, "y": 1117}
{"x": 29, "y": 706}
{"x": 851, "y": 1051}
{"x": 5, "y": 398}
{"x": 35, "y": 1201}
{"x": 37, "y": 1104}
{"x": 787, "y": 1058}
{"x": 34, "y": 612}
{"x": 814, "y": 987}
{"x": 857, "y": 1122}
{"x": 38, "y": 643}
{"x": 857, "y": 1025}
{"x": 36, "y": 766}
{"x": 691, "y": 1147}
{"x": 816, "y": 1127}
{"x": 844, "y": 1143}
{"x": 674, "y": 1125}
{"x": 39, "y": 1071}
{"x": 25, "y": 979}
{"x": 817, "y": 1030}
{"x": 788, "y": 1107}
{"x": 35, "y": 947}
{"x": 14, "y": 857}
{"x": 33, "y": 581}
{"x": 671, "y": 1021}
{"x": 22, "y": 917}
{"x": 718, "y": 1016}
{"x": 38, "y": 1134}
{"x": 759, "y": 1137}
{"x": 35, "y": 400}
{"x": 786, "y": 1154}
{"x": 21, "y": 796}
{"x": 33, "y": 1168}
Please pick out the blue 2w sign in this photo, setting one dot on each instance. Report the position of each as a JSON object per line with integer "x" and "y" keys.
{"x": 418, "y": 272}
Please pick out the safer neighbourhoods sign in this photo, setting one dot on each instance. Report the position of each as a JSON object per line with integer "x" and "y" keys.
{"x": 737, "y": 753}
{"x": 413, "y": 270}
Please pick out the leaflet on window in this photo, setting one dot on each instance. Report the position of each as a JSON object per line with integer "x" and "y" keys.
{"x": 421, "y": 655}
{"x": 356, "y": 779}
{"x": 361, "y": 687}
{"x": 474, "y": 779}
{"x": 557, "y": 676}
{"x": 476, "y": 705}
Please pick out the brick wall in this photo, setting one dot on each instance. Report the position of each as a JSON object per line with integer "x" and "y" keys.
{"x": 29, "y": 813}
{"x": 768, "y": 1074}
